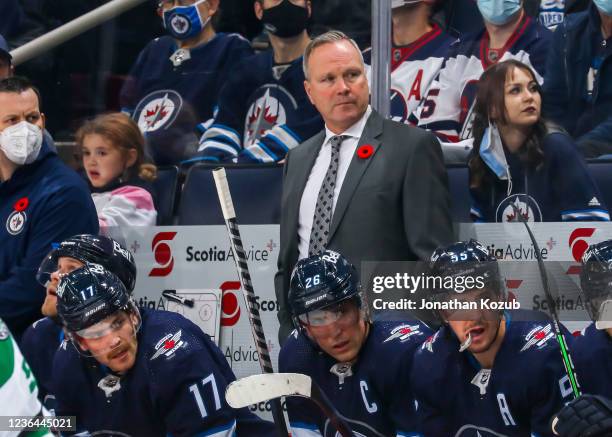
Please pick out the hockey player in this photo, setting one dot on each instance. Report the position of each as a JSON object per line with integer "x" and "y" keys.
{"x": 419, "y": 49}
{"x": 18, "y": 389}
{"x": 362, "y": 366}
{"x": 509, "y": 33}
{"x": 43, "y": 337}
{"x": 173, "y": 86}
{"x": 592, "y": 350}
{"x": 263, "y": 108}
{"x": 140, "y": 373}
{"x": 501, "y": 371}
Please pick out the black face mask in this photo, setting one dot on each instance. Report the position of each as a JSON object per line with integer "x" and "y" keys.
{"x": 285, "y": 20}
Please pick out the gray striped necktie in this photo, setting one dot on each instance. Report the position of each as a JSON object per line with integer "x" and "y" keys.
{"x": 323, "y": 209}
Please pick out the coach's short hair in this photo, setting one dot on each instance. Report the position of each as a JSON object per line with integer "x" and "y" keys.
{"x": 329, "y": 37}
{"x": 19, "y": 84}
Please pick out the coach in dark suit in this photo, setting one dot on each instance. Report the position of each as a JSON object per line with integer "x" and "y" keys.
{"x": 370, "y": 188}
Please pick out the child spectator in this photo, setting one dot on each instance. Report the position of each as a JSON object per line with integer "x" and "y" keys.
{"x": 113, "y": 158}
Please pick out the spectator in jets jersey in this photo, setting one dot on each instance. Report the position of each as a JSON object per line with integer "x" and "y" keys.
{"x": 578, "y": 82}
{"x": 173, "y": 86}
{"x": 521, "y": 164}
{"x": 509, "y": 33}
{"x": 263, "y": 108}
{"x": 419, "y": 47}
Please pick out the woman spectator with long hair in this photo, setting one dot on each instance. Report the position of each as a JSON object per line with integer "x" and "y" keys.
{"x": 521, "y": 164}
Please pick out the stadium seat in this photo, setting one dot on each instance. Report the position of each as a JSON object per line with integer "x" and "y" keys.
{"x": 601, "y": 170}
{"x": 165, "y": 189}
{"x": 458, "y": 185}
{"x": 256, "y": 192}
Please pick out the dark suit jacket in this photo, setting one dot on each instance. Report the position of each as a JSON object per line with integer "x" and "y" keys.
{"x": 393, "y": 206}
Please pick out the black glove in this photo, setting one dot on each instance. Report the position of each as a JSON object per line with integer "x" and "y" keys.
{"x": 587, "y": 416}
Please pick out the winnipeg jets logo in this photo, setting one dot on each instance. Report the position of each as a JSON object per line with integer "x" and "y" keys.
{"x": 158, "y": 110}
{"x": 15, "y": 222}
{"x": 509, "y": 209}
{"x": 403, "y": 332}
{"x": 109, "y": 384}
{"x": 263, "y": 114}
{"x": 168, "y": 345}
{"x": 272, "y": 105}
{"x": 538, "y": 337}
{"x": 180, "y": 24}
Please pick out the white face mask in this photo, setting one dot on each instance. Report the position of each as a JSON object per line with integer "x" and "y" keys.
{"x": 21, "y": 142}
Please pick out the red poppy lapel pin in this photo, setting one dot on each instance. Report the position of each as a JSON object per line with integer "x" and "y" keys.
{"x": 21, "y": 204}
{"x": 17, "y": 219}
{"x": 365, "y": 151}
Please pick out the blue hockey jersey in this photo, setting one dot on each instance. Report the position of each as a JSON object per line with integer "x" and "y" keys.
{"x": 373, "y": 394}
{"x": 592, "y": 356}
{"x": 38, "y": 345}
{"x": 176, "y": 386}
{"x": 172, "y": 99}
{"x": 560, "y": 189}
{"x": 263, "y": 113}
{"x": 447, "y": 110}
{"x": 517, "y": 397}
{"x": 413, "y": 69}
{"x": 42, "y": 203}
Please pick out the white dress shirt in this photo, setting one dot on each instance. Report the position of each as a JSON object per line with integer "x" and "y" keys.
{"x": 308, "y": 203}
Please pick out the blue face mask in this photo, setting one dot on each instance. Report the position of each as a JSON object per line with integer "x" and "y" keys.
{"x": 492, "y": 153}
{"x": 183, "y": 22}
{"x": 498, "y": 11}
{"x": 604, "y": 6}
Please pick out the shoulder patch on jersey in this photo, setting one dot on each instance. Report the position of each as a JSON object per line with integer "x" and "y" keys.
{"x": 428, "y": 344}
{"x": 403, "y": 332}
{"x": 538, "y": 337}
{"x": 168, "y": 345}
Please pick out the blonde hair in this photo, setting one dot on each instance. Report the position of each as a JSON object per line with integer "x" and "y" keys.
{"x": 123, "y": 133}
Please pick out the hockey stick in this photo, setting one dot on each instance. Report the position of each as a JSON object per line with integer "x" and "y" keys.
{"x": 229, "y": 215}
{"x": 259, "y": 388}
{"x": 171, "y": 295}
{"x": 565, "y": 354}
